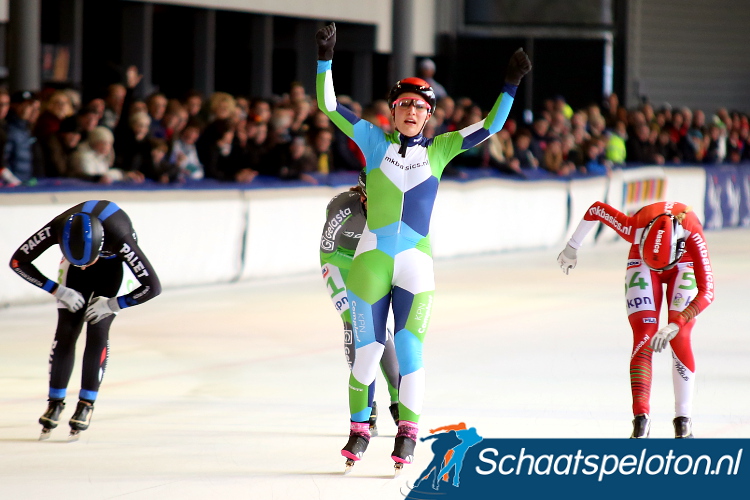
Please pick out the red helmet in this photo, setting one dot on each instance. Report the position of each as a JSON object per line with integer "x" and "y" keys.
{"x": 663, "y": 242}
{"x": 415, "y": 85}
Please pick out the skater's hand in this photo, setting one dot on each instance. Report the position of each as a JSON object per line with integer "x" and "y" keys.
{"x": 568, "y": 258}
{"x": 69, "y": 298}
{"x": 326, "y": 39}
{"x": 519, "y": 65}
{"x": 100, "y": 308}
{"x": 663, "y": 337}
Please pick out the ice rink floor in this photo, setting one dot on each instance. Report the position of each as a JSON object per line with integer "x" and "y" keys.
{"x": 240, "y": 391}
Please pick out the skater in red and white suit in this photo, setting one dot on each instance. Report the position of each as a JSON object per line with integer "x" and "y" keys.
{"x": 668, "y": 248}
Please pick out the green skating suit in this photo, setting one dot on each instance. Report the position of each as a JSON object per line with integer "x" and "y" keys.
{"x": 345, "y": 220}
{"x": 393, "y": 261}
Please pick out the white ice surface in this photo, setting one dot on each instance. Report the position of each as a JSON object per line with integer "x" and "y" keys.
{"x": 239, "y": 391}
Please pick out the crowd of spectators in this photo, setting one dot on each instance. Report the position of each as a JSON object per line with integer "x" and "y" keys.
{"x": 162, "y": 139}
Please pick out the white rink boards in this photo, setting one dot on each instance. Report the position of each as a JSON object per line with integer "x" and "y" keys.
{"x": 239, "y": 391}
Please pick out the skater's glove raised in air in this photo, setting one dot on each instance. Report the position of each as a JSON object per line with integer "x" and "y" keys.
{"x": 519, "y": 65}
{"x": 568, "y": 258}
{"x": 663, "y": 336}
{"x": 69, "y": 297}
{"x": 100, "y": 308}
{"x": 326, "y": 39}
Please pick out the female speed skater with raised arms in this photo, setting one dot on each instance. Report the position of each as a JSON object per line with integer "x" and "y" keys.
{"x": 392, "y": 266}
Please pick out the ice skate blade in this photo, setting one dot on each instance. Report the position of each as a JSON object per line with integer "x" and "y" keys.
{"x": 349, "y": 466}
{"x": 397, "y": 469}
{"x": 45, "y": 434}
{"x": 74, "y": 436}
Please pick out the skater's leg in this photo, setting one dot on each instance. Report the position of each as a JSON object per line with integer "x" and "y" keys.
{"x": 62, "y": 354}
{"x": 643, "y": 301}
{"x": 106, "y": 278}
{"x": 389, "y": 365}
{"x": 683, "y": 371}
{"x": 681, "y": 290}
{"x": 413, "y": 292}
{"x": 335, "y": 279}
{"x": 644, "y": 328}
{"x": 95, "y": 358}
{"x": 412, "y": 312}
{"x": 369, "y": 300}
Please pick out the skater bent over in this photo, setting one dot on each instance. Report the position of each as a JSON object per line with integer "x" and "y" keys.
{"x": 393, "y": 264}
{"x": 668, "y": 247}
{"x": 345, "y": 220}
{"x": 95, "y": 237}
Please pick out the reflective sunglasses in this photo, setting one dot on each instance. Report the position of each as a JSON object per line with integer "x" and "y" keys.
{"x": 405, "y": 102}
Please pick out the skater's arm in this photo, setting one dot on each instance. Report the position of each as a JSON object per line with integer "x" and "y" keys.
{"x": 697, "y": 248}
{"x": 598, "y": 212}
{"x": 345, "y": 221}
{"x": 127, "y": 250}
{"x": 454, "y": 143}
{"x": 601, "y": 212}
{"x": 150, "y": 286}
{"x": 22, "y": 260}
{"x": 360, "y": 131}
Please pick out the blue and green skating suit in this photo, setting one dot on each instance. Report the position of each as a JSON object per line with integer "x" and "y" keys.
{"x": 393, "y": 261}
{"x": 345, "y": 220}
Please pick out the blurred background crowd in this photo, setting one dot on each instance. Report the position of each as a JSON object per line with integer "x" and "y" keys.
{"x": 52, "y": 134}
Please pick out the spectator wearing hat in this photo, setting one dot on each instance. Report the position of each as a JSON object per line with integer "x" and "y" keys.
{"x": 19, "y": 146}
{"x": 427, "y": 70}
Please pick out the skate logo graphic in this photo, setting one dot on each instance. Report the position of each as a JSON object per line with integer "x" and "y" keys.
{"x": 449, "y": 446}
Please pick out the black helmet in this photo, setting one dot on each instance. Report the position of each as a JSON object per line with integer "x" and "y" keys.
{"x": 415, "y": 85}
{"x": 82, "y": 239}
{"x": 362, "y": 181}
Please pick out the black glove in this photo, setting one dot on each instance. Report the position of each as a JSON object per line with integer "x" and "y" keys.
{"x": 326, "y": 39}
{"x": 519, "y": 65}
